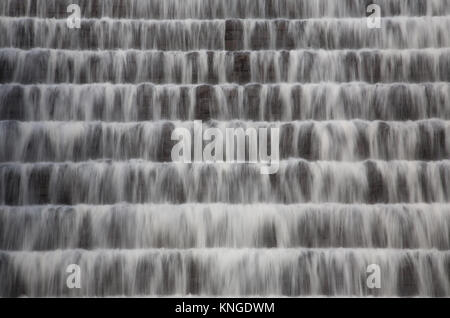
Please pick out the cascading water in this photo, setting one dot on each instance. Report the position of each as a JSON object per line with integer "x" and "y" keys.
{"x": 86, "y": 175}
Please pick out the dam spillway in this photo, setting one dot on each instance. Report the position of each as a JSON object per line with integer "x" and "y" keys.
{"x": 87, "y": 178}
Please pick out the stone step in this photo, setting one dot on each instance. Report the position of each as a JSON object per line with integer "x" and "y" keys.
{"x": 260, "y": 102}
{"x": 293, "y": 181}
{"x": 131, "y": 66}
{"x": 313, "y": 140}
{"x": 129, "y": 226}
{"x": 220, "y": 9}
{"x": 225, "y": 272}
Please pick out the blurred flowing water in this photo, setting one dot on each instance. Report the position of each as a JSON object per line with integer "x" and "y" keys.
{"x": 86, "y": 176}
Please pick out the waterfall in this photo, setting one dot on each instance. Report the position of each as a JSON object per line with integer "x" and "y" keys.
{"x": 87, "y": 118}
{"x": 314, "y": 140}
{"x": 226, "y": 271}
{"x": 258, "y": 102}
{"x": 216, "y": 9}
{"x": 247, "y": 34}
{"x": 183, "y": 67}
{"x": 140, "y": 226}
{"x": 100, "y": 182}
